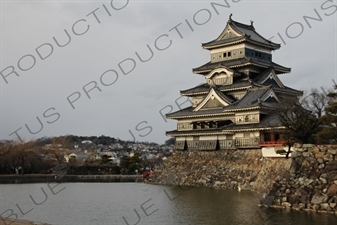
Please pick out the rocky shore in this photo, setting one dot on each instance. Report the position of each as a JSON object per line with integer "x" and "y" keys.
{"x": 306, "y": 181}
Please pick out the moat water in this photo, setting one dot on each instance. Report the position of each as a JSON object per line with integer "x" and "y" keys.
{"x": 138, "y": 203}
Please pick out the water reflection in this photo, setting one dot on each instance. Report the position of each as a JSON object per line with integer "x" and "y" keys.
{"x": 108, "y": 203}
{"x": 213, "y": 207}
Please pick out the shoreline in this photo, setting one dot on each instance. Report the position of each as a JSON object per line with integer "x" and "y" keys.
{"x": 306, "y": 181}
{"x": 43, "y": 178}
{"x": 19, "y": 222}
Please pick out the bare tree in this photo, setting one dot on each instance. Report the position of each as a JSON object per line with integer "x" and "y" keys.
{"x": 300, "y": 124}
{"x": 58, "y": 148}
{"x": 315, "y": 100}
{"x": 5, "y": 147}
{"x": 22, "y": 154}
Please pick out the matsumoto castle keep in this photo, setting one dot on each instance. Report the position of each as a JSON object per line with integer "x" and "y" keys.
{"x": 231, "y": 110}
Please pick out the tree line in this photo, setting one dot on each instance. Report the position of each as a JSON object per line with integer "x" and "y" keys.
{"x": 57, "y": 155}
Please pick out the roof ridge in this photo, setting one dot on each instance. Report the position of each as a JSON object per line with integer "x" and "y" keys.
{"x": 236, "y": 23}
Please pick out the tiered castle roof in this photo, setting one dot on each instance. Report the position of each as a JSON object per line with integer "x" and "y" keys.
{"x": 242, "y": 57}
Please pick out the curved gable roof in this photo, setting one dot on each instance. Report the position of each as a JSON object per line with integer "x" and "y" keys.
{"x": 269, "y": 77}
{"x": 236, "y": 32}
{"x": 214, "y": 94}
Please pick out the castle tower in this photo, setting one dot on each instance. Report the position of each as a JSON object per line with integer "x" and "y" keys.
{"x": 231, "y": 110}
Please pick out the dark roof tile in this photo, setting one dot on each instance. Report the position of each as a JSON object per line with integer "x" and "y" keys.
{"x": 247, "y": 33}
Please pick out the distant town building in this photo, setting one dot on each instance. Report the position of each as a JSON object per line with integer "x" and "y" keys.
{"x": 231, "y": 110}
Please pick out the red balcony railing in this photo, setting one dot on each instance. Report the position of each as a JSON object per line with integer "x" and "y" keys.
{"x": 272, "y": 143}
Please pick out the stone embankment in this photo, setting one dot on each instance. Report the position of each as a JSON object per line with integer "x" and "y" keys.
{"x": 307, "y": 180}
{"x": 228, "y": 169}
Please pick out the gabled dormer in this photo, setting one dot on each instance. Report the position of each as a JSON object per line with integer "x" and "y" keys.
{"x": 270, "y": 96}
{"x": 214, "y": 99}
{"x": 269, "y": 77}
{"x": 220, "y": 76}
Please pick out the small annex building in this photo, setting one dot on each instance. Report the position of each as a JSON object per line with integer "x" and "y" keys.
{"x": 232, "y": 109}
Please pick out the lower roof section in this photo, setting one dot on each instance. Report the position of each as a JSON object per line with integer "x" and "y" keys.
{"x": 241, "y": 62}
{"x": 205, "y": 88}
{"x": 189, "y": 113}
{"x": 270, "y": 122}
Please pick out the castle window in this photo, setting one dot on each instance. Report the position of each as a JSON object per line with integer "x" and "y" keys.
{"x": 246, "y": 119}
{"x": 229, "y": 54}
{"x": 225, "y": 54}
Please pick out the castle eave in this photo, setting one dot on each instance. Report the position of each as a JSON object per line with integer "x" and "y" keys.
{"x": 242, "y": 109}
{"x": 214, "y": 45}
{"x": 198, "y": 116}
{"x": 224, "y": 44}
{"x": 222, "y": 88}
{"x": 176, "y": 133}
{"x": 240, "y": 62}
{"x": 256, "y": 129}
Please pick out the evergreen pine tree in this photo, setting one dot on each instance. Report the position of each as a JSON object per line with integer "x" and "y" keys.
{"x": 328, "y": 134}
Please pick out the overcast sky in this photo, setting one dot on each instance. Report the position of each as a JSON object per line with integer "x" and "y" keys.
{"x": 105, "y": 36}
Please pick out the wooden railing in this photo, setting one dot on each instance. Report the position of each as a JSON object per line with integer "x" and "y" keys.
{"x": 247, "y": 142}
{"x": 227, "y": 144}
